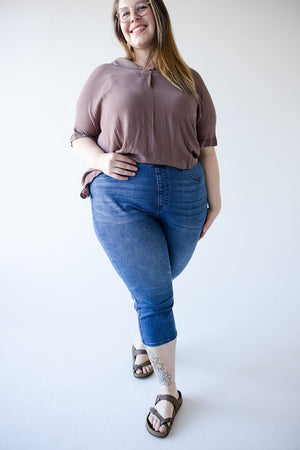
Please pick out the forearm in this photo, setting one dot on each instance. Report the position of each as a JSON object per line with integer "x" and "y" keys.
{"x": 209, "y": 161}
{"x": 88, "y": 151}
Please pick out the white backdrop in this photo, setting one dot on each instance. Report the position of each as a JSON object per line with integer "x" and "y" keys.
{"x": 67, "y": 320}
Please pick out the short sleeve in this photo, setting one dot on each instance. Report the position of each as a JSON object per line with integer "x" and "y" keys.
{"x": 87, "y": 116}
{"x": 206, "y": 114}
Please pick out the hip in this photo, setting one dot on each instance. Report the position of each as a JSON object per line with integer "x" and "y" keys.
{"x": 154, "y": 190}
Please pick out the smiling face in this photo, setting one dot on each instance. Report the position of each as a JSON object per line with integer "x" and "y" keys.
{"x": 139, "y": 31}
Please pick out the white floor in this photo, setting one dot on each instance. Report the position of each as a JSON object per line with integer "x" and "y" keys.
{"x": 66, "y": 380}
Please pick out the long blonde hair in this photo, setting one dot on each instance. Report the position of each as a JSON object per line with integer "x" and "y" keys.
{"x": 164, "y": 55}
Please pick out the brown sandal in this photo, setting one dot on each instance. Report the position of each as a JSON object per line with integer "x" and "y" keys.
{"x": 164, "y": 421}
{"x": 136, "y": 352}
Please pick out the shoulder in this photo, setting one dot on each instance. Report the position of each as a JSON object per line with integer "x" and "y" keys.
{"x": 197, "y": 78}
{"x": 99, "y": 79}
{"x": 102, "y": 70}
{"x": 113, "y": 67}
{"x": 200, "y": 85}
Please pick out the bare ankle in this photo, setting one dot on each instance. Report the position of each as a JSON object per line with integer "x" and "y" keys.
{"x": 171, "y": 389}
{"x": 138, "y": 344}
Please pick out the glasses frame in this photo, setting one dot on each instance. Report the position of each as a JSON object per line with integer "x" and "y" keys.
{"x": 140, "y": 15}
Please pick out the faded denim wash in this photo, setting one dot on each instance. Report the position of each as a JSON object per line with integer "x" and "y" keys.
{"x": 149, "y": 226}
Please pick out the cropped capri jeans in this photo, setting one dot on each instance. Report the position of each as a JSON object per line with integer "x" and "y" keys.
{"x": 149, "y": 226}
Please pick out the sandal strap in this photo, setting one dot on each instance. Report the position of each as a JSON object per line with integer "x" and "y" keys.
{"x": 163, "y": 421}
{"x": 136, "y": 351}
{"x": 171, "y": 399}
{"x": 139, "y": 366}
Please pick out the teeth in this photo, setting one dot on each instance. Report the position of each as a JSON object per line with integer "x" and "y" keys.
{"x": 137, "y": 29}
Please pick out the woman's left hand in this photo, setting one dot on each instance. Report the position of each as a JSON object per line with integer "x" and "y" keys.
{"x": 211, "y": 215}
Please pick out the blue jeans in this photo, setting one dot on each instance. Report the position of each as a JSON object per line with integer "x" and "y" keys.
{"x": 149, "y": 226}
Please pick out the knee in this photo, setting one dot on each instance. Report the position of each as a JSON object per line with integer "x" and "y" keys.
{"x": 158, "y": 300}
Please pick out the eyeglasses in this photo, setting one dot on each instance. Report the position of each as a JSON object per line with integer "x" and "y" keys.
{"x": 141, "y": 8}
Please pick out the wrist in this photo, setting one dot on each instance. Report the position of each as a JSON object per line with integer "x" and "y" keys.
{"x": 216, "y": 208}
{"x": 98, "y": 160}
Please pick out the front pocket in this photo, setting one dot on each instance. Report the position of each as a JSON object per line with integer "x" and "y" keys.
{"x": 196, "y": 172}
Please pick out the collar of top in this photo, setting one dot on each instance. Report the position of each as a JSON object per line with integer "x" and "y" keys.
{"x": 124, "y": 62}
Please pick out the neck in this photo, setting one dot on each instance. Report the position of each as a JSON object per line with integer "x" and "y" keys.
{"x": 141, "y": 57}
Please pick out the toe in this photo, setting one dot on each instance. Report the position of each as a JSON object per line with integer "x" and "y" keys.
{"x": 156, "y": 425}
{"x": 162, "y": 429}
{"x": 138, "y": 371}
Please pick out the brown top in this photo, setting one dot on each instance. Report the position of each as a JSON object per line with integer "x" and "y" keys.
{"x": 140, "y": 114}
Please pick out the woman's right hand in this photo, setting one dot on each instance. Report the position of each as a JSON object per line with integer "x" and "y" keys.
{"x": 116, "y": 165}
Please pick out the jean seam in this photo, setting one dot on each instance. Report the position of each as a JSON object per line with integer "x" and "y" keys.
{"x": 189, "y": 175}
{"x": 194, "y": 178}
{"x": 158, "y": 192}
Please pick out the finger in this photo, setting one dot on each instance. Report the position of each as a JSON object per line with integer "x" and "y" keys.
{"x": 202, "y": 234}
{"x": 209, "y": 221}
{"x": 117, "y": 177}
{"x": 123, "y": 158}
{"x": 206, "y": 226}
{"x": 125, "y": 166}
{"x": 204, "y": 230}
{"x": 124, "y": 172}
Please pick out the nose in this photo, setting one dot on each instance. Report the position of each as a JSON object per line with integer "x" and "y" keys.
{"x": 133, "y": 15}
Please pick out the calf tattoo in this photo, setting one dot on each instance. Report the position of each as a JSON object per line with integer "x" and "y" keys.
{"x": 164, "y": 377}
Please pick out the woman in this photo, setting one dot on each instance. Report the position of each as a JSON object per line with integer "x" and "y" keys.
{"x": 145, "y": 124}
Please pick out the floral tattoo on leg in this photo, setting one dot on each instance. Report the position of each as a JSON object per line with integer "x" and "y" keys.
{"x": 164, "y": 376}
